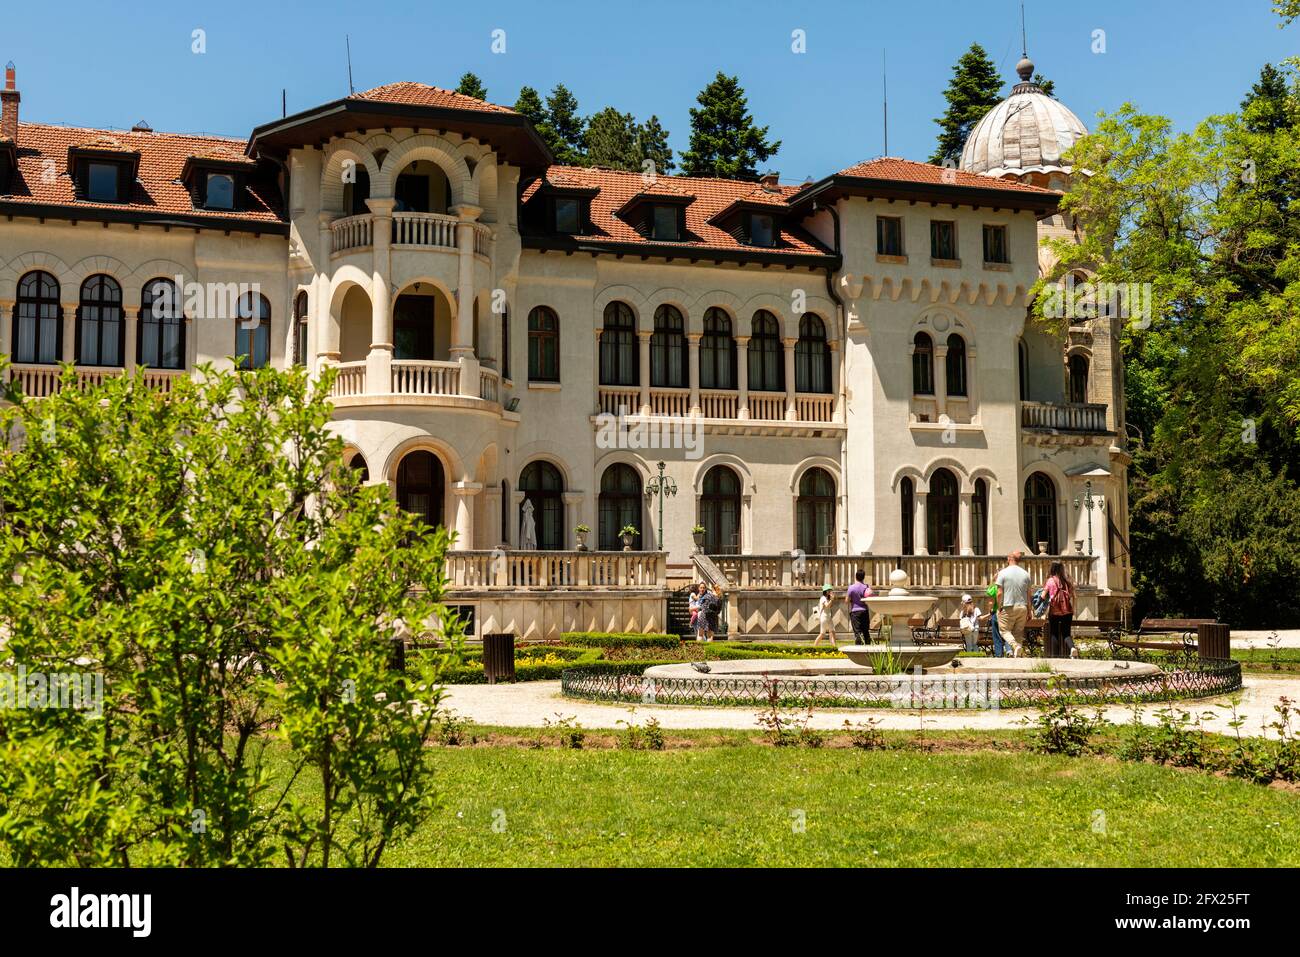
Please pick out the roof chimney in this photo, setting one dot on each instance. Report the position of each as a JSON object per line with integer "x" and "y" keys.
{"x": 769, "y": 182}
{"x": 9, "y": 98}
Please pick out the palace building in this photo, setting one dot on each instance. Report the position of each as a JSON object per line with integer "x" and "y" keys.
{"x": 849, "y": 360}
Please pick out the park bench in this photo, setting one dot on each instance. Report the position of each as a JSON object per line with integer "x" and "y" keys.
{"x": 1164, "y": 629}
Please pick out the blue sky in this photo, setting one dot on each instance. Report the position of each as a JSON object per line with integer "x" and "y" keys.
{"x": 93, "y": 64}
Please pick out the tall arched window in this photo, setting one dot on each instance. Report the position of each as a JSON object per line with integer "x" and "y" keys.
{"x": 922, "y": 364}
{"x": 766, "y": 354}
{"x": 619, "y": 505}
{"x": 505, "y": 342}
{"x": 99, "y": 322}
{"x": 253, "y": 332}
{"x": 421, "y": 486}
{"x": 907, "y": 498}
{"x": 717, "y": 352}
{"x": 1022, "y": 365}
{"x": 505, "y": 512}
{"x": 812, "y": 356}
{"x": 160, "y": 339}
{"x": 1078, "y": 378}
{"x": 720, "y": 511}
{"x": 815, "y": 513}
{"x": 941, "y": 513}
{"x": 979, "y": 518}
{"x": 300, "y": 328}
{"x": 38, "y": 319}
{"x": 668, "y": 354}
{"x": 543, "y": 485}
{"x": 955, "y": 365}
{"x": 543, "y": 345}
{"x": 1040, "y": 512}
{"x": 619, "y": 360}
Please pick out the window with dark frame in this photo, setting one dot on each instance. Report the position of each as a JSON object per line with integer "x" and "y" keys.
{"x": 102, "y": 182}
{"x": 889, "y": 236}
{"x": 907, "y": 498}
{"x": 543, "y": 485}
{"x": 619, "y": 504}
{"x": 253, "y": 332}
{"x": 995, "y": 244}
{"x": 568, "y": 215}
{"x": 766, "y": 354}
{"x": 922, "y": 364}
{"x": 815, "y": 513}
{"x": 717, "y": 352}
{"x": 300, "y": 328}
{"x": 543, "y": 345}
{"x": 219, "y": 193}
{"x": 941, "y": 514}
{"x": 619, "y": 356}
{"x": 669, "y": 357}
{"x": 955, "y": 366}
{"x": 505, "y": 342}
{"x": 1040, "y": 512}
{"x": 100, "y": 323}
{"x": 38, "y": 320}
{"x": 664, "y": 223}
{"x": 720, "y": 511}
{"x": 160, "y": 340}
{"x": 943, "y": 239}
{"x": 812, "y": 356}
{"x": 762, "y": 230}
{"x": 979, "y": 518}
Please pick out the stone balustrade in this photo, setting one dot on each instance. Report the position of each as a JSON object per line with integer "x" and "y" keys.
{"x": 500, "y": 569}
{"x": 39, "y": 380}
{"x": 966, "y": 572}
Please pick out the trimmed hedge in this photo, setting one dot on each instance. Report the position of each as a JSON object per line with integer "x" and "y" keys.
{"x": 470, "y": 675}
{"x": 600, "y": 639}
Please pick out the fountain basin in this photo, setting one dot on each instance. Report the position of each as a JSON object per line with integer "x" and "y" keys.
{"x": 905, "y": 656}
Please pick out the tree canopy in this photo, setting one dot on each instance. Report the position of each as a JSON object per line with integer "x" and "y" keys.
{"x": 725, "y": 142}
{"x": 975, "y": 88}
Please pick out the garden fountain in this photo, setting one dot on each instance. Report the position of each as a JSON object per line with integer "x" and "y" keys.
{"x": 896, "y": 608}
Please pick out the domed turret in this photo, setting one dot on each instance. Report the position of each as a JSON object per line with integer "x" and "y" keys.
{"x": 1025, "y": 136}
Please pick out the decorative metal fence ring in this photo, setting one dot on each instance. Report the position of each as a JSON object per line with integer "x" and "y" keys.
{"x": 1201, "y": 679}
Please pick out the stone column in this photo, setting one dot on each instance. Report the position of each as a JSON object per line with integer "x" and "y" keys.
{"x": 791, "y": 409}
{"x": 595, "y": 369}
{"x": 644, "y": 342}
{"x": 965, "y": 528}
{"x": 462, "y": 348}
{"x": 742, "y": 377}
{"x": 324, "y": 326}
{"x": 6, "y": 327}
{"x": 575, "y": 512}
{"x": 837, "y": 377}
{"x": 464, "y": 493}
{"x": 379, "y": 361}
{"x": 130, "y": 329}
{"x": 70, "y": 331}
{"x": 693, "y": 369}
{"x": 919, "y": 545}
{"x": 940, "y": 380}
{"x": 492, "y": 531}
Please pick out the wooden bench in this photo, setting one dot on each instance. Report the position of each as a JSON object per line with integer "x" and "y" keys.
{"x": 1184, "y": 628}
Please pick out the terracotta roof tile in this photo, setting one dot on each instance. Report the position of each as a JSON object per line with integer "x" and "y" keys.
{"x": 421, "y": 94}
{"x": 158, "y": 188}
{"x": 910, "y": 171}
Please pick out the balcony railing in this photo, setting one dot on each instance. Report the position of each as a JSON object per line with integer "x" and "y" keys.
{"x": 1063, "y": 417}
{"x": 428, "y": 230}
{"x": 967, "y": 572}
{"x": 620, "y": 400}
{"x": 425, "y": 377}
{"x": 546, "y": 569}
{"x": 768, "y": 406}
{"x": 39, "y": 381}
{"x": 717, "y": 404}
{"x": 488, "y": 381}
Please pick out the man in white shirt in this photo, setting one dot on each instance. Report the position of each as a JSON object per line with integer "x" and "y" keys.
{"x": 1013, "y": 603}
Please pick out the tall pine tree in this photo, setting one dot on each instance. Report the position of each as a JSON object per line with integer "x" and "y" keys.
{"x": 471, "y": 85}
{"x": 611, "y": 140}
{"x": 652, "y": 144}
{"x": 974, "y": 89}
{"x": 566, "y": 125}
{"x": 724, "y": 140}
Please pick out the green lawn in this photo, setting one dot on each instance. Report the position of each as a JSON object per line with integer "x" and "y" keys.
{"x": 737, "y": 803}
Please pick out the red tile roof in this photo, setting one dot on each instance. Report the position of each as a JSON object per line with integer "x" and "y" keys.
{"x": 711, "y": 196}
{"x": 421, "y": 94}
{"x": 158, "y": 188}
{"x": 910, "y": 171}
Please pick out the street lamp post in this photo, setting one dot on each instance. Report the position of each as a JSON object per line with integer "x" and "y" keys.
{"x": 1088, "y": 505}
{"x": 661, "y": 485}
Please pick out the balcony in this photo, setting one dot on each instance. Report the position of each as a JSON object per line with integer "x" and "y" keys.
{"x": 1074, "y": 417}
{"x": 927, "y": 573}
{"x": 499, "y": 570}
{"x": 415, "y": 382}
{"x": 39, "y": 381}
{"x": 409, "y": 230}
{"x": 719, "y": 405}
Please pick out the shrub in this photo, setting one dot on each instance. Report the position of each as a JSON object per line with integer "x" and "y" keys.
{"x": 866, "y": 735}
{"x": 600, "y": 639}
{"x": 1061, "y": 728}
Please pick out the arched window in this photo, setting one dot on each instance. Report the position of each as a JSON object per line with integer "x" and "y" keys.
{"x": 766, "y": 355}
{"x": 505, "y": 512}
{"x": 907, "y": 498}
{"x": 979, "y": 518}
{"x": 160, "y": 339}
{"x": 421, "y": 486}
{"x": 1040, "y": 512}
{"x": 941, "y": 514}
{"x": 619, "y": 505}
{"x": 720, "y": 511}
{"x": 253, "y": 332}
{"x": 505, "y": 343}
{"x": 717, "y": 352}
{"x": 300, "y": 328}
{"x": 358, "y": 464}
{"x": 99, "y": 323}
{"x": 922, "y": 364}
{"x": 812, "y": 356}
{"x": 38, "y": 319}
{"x": 668, "y": 354}
{"x": 543, "y": 485}
{"x": 1078, "y": 378}
{"x": 815, "y": 513}
{"x": 1022, "y": 363}
{"x": 619, "y": 359}
{"x": 955, "y": 365}
{"x": 543, "y": 345}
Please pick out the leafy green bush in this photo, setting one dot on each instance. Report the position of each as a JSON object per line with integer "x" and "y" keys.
{"x": 600, "y": 639}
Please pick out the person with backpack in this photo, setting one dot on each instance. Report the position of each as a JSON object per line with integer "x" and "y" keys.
{"x": 1060, "y": 612}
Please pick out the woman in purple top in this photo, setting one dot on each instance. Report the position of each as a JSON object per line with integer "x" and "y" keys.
{"x": 859, "y": 615}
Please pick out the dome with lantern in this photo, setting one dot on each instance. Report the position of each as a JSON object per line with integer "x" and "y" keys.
{"x": 1024, "y": 137}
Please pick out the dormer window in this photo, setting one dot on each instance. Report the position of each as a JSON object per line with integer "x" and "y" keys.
{"x": 664, "y": 223}
{"x": 101, "y": 182}
{"x": 762, "y": 230}
{"x": 568, "y": 215}
{"x": 220, "y": 192}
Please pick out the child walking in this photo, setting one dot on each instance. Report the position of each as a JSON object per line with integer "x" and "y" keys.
{"x": 825, "y": 623}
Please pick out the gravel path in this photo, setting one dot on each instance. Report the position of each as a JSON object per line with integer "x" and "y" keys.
{"x": 529, "y": 704}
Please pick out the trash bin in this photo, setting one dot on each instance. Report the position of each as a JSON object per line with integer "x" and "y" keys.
{"x": 1214, "y": 641}
{"x": 499, "y": 657}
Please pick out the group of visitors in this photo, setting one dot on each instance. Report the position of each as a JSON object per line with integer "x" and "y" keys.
{"x": 859, "y": 616}
{"x": 1012, "y": 605}
{"x": 706, "y": 607}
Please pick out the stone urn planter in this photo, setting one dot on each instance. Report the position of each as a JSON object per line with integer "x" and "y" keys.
{"x": 1042, "y": 548}
{"x": 699, "y": 541}
{"x": 581, "y": 535}
{"x": 628, "y": 534}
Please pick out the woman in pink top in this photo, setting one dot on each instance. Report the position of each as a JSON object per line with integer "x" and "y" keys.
{"x": 1060, "y": 612}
